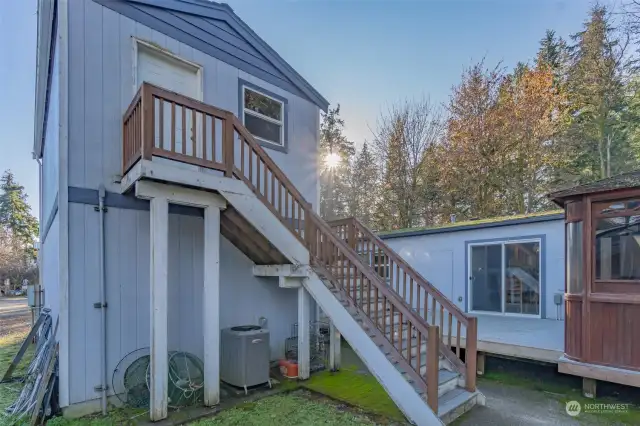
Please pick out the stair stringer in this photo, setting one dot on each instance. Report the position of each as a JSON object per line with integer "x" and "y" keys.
{"x": 391, "y": 379}
{"x": 400, "y": 391}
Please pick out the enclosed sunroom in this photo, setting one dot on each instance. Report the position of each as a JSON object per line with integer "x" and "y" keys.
{"x": 602, "y": 290}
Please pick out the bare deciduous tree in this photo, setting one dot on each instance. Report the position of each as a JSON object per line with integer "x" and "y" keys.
{"x": 405, "y": 134}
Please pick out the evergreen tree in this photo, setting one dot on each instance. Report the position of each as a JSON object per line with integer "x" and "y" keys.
{"x": 363, "y": 186}
{"x": 553, "y": 54}
{"x": 335, "y": 154}
{"x": 597, "y": 137}
{"x": 15, "y": 213}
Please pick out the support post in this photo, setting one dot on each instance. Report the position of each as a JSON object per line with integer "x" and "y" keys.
{"x": 159, "y": 264}
{"x": 334, "y": 347}
{"x": 433, "y": 366}
{"x": 589, "y": 387}
{"x": 481, "y": 361}
{"x": 471, "y": 354}
{"x": 304, "y": 355}
{"x": 211, "y": 306}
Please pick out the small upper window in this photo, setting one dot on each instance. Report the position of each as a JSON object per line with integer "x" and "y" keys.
{"x": 263, "y": 116}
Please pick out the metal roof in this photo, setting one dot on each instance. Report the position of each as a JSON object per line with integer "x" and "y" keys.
{"x": 473, "y": 225}
{"x": 622, "y": 181}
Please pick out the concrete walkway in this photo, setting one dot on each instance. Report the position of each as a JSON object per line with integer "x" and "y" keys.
{"x": 508, "y": 405}
{"x": 516, "y": 406}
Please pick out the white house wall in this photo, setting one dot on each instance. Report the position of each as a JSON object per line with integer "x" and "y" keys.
{"x": 442, "y": 259}
{"x": 244, "y": 298}
{"x": 50, "y": 271}
{"x": 101, "y": 88}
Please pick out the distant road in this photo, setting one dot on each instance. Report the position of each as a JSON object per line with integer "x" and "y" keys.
{"x": 10, "y": 306}
{"x": 15, "y": 315}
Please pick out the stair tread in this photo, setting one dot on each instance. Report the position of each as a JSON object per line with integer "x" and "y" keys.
{"x": 445, "y": 375}
{"x": 453, "y": 399}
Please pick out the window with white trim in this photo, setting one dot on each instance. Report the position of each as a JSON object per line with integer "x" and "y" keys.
{"x": 263, "y": 116}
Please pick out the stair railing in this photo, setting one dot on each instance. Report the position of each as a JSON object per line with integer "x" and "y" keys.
{"x": 424, "y": 298}
{"x": 151, "y": 129}
{"x": 334, "y": 258}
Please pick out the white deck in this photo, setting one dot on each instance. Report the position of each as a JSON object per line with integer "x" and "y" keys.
{"x": 530, "y": 338}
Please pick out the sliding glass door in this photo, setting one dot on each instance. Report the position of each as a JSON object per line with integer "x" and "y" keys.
{"x": 505, "y": 277}
{"x": 486, "y": 278}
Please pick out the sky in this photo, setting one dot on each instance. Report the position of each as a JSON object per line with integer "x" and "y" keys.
{"x": 363, "y": 54}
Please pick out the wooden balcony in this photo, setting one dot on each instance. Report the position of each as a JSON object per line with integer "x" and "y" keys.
{"x": 160, "y": 124}
{"x": 164, "y": 124}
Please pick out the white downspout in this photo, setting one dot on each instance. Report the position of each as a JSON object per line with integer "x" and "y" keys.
{"x": 103, "y": 304}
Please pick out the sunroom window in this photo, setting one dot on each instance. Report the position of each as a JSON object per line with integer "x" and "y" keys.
{"x": 263, "y": 116}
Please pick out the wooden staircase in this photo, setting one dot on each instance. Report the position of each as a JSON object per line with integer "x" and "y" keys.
{"x": 404, "y": 329}
{"x": 453, "y": 399}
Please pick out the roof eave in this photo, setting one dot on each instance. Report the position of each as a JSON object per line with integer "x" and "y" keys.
{"x": 473, "y": 227}
{"x": 297, "y": 80}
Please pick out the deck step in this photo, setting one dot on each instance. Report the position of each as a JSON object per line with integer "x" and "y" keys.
{"x": 456, "y": 402}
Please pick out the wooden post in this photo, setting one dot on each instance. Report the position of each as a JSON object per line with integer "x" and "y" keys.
{"x": 309, "y": 232}
{"x": 211, "y": 306}
{"x": 471, "y": 354}
{"x": 589, "y": 387}
{"x": 334, "y": 347}
{"x": 159, "y": 262}
{"x": 480, "y": 365}
{"x": 147, "y": 122}
{"x": 433, "y": 366}
{"x": 304, "y": 354}
{"x": 228, "y": 142}
{"x": 351, "y": 234}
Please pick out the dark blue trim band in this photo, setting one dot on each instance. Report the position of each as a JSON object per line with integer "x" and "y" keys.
{"x": 127, "y": 202}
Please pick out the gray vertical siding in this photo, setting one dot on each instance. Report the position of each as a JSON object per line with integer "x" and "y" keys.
{"x": 50, "y": 268}
{"x": 244, "y": 298}
{"x": 101, "y": 88}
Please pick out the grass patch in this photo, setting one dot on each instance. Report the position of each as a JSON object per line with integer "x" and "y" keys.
{"x": 357, "y": 389}
{"x": 116, "y": 416}
{"x": 9, "y": 346}
{"x": 564, "y": 392}
{"x": 285, "y": 410}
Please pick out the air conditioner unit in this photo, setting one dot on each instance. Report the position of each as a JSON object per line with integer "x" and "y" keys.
{"x": 244, "y": 358}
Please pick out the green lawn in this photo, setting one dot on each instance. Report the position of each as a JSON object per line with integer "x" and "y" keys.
{"x": 357, "y": 389}
{"x": 286, "y": 410}
{"x": 294, "y": 408}
{"x": 9, "y": 346}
